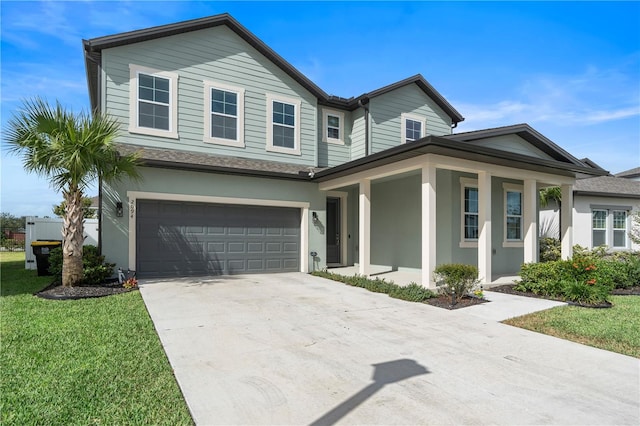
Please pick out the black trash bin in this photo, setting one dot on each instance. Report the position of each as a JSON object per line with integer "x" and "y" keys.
{"x": 41, "y": 250}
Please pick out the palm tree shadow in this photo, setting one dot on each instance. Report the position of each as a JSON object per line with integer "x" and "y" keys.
{"x": 383, "y": 374}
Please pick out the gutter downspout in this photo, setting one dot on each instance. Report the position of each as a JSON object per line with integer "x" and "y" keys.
{"x": 364, "y": 102}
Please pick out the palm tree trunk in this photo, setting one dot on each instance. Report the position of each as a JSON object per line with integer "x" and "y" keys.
{"x": 73, "y": 238}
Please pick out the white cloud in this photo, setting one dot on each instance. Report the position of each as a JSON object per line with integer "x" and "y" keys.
{"x": 593, "y": 97}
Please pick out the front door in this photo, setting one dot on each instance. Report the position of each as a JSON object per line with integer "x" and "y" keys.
{"x": 333, "y": 231}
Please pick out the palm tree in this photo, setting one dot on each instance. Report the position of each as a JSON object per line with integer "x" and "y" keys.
{"x": 549, "y": 194}
{"x": 71, "y": 150}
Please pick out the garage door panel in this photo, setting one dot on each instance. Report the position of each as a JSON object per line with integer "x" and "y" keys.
{"x": 175, "y": 238}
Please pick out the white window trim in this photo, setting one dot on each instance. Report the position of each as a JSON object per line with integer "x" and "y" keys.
{"x": 325, "y": 124}
{"x": 506, "y": 243}
{"x": 626, "y": 230}
{"x": 134, "y": 70}
{"x": 403, "y": 125}
{"x": 297, "y": 103}
{"x": 605, "y": 229}
{"x": 239, "y": 141}
{"x": 466, "y": 242}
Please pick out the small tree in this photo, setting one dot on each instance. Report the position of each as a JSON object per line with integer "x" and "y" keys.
{"x": 88, "y": 213}
{"x": 634, "y": 234}
{"x": 553, "y": 194}
{"x": 71, "y": 150}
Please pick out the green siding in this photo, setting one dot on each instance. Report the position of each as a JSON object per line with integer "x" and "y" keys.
{"x": 357, "y": 134}
{"x": 396, "y": 223}
{"x": 219, "y": 55}
{"x": 386, "y": 111}
{"x": 331, "y": 154}
{"x": 116, "y": 229}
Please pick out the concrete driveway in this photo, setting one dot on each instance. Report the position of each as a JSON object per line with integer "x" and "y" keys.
{"x": 296, "y": 349}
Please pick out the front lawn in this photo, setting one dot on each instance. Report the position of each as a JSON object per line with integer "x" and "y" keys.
{"x": 615, "y": 329}
{"x": 91, "y": 361}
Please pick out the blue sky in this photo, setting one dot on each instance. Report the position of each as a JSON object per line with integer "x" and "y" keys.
{"x": 569, "y": 69}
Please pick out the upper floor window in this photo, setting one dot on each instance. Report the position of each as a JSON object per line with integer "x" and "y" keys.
{"x": 413, "y": 127}
{"x": 513, "y": 213}
{"x": 609, "y": 227}
{"x": 224, "y": 114}
{"x": 153, "y": 106}
{"x": 333, "y": 131}
{"x": 283, "y": 124}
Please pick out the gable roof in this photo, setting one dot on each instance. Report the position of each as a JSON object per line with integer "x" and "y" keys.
{"x": 93, "y": 54}
{"x": 530, "y": 135}
{"x": 628, "y": 174}
{"x": 607, "y": 186}
{"x": 447, "y": 146}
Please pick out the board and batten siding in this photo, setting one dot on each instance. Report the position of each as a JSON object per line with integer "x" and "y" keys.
{"x": 215, "y": 55}
{"x": 386, "y": 111}
{"x": 512, "y": 143}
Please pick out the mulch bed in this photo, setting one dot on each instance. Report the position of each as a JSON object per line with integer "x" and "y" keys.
{"x": 445, "y": 302}
{"x": 508, "y": 288}
{"x": 57, "y": 292}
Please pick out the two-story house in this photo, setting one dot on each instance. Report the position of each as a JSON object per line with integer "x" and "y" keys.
{"x": 251, "y": 167}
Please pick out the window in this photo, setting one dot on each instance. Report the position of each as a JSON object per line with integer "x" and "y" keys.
{"x": 599, "y": 226}
{"x": 470, "y": 213}
{"x": 609, "y": 227}
{"x": 283, "y": 125}
{"x": 619, "y": 228}
{"x": 412, "y": 127}
{"x": 514, "y": 215}
{"x": 333, "y": 131}
{"x": 469, "y": 219}
{"x": 153, "y": 108}
{"x": 224, "y": 114}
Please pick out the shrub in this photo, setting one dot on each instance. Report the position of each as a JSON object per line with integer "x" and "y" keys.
{"x": 95, "y": 269}
{"x": 583, "y": 293}
{"x": 550, "y": 249}
{"x": 413, "y": 293}
{"x": 456, "y": 280}
{"x": 544, "y": 278}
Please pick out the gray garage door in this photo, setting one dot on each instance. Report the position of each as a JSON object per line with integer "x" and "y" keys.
{"x": 182, "y": 239}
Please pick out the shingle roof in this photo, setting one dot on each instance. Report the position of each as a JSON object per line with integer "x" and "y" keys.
{"x": 631, "y": 173}
{"x": 608, "y": 186}
{"x": 93, "y": 53}
{"x": 171, "y": 158}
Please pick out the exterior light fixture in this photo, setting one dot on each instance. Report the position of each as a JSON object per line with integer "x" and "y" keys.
{"x": 119, "y": 209}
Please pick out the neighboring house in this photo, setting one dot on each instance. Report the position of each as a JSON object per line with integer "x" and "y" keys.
{"x": 631, "y": 174}
{"x": 251, "y": 167}
{"x": 603, "y": 209}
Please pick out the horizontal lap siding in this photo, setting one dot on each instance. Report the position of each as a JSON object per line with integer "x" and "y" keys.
{"x": 513, "y": 143}
{"x": 357, "y": 134}
{"x": 386, "y": 111}
{"x": 217, "y": 55}
{"x": 331, "y": 154}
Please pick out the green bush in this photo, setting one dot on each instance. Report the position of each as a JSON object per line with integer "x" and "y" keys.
{"x": 413, "y": 292}
{"x": 588, "y": 294}
{"x": 542, "y": 278}
{"x": 95, "y": 269}
{"x": 550, "y": 249}
{"x": 456, "y": 280}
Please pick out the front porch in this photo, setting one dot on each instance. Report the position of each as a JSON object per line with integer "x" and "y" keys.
{"x": 423, "y": 218}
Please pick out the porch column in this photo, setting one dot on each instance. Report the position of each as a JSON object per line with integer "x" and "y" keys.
{"x": 566, "y": 217}
{"x": 428, "y": 224}
{"x": 484, "y": 223}
{"x": 364, "y": 224}
{"x": 530, "y": 217}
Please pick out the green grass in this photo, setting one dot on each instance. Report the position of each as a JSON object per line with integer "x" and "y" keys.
{"x": 616, "y": 329}
{"x": 81, "y": 362}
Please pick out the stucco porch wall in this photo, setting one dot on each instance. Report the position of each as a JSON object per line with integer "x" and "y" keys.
{"x": 200, "y": 187}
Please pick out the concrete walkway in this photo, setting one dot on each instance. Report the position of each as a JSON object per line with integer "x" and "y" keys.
{"x": 296, "y": 349}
